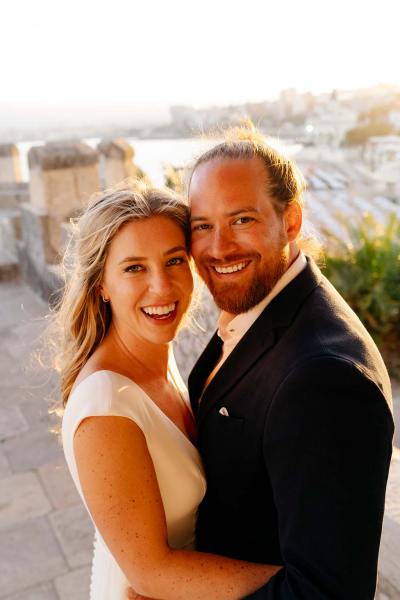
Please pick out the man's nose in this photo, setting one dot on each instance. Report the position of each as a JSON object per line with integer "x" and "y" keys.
{"x": 222, "y": 242}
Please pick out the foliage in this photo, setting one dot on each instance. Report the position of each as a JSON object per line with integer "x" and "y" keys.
{"x": 359, "y": 135}
{"x": 173, "y": 177}
{"x": 367, "y": 273}
{"x": 380, "y": 112}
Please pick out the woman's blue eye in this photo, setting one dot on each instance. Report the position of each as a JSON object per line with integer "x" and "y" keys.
{"x": 178, "y": 260}
{"x": 133, "y": 269}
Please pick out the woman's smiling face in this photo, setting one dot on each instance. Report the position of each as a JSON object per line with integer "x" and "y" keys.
{"x": 147, "y": 279}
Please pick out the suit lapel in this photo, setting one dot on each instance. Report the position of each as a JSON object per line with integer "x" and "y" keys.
{"x": 203, "y": 367}
{"x": 258, "y": 340}
{"x": 253, "y": 344}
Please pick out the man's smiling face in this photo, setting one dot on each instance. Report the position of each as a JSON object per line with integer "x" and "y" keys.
{"x": 239, "y": 242}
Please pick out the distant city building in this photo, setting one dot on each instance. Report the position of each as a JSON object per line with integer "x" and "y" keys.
{"x": 381, "y": 149}
{"x": 394, "y": 118}
{"x": 293, "y": 104}
{"x": 329, "y": 123}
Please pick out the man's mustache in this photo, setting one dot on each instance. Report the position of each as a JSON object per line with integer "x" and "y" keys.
{"x": 209, "y": 261}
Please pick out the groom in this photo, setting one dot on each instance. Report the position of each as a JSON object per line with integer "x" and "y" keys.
{"x": 291, "y": 394}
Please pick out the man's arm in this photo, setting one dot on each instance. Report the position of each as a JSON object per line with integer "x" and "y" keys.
{"x": 327, "y": 448}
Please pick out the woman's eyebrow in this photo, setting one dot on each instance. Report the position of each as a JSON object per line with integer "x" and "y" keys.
{"x": 132, "y": 259}
{"x": 142, "y": 258}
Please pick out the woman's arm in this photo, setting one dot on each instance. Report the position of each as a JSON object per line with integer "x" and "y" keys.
{"x": 121, "y": 490}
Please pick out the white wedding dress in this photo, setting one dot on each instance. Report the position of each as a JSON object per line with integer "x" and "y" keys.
{"x": 176, "y": 461}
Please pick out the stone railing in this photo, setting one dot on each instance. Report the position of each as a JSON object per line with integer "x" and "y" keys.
{"x": 13, "y": 194}
{"x": 62, "y": 176}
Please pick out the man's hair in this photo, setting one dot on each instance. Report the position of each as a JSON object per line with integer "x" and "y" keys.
{"x": 284, "y": 182}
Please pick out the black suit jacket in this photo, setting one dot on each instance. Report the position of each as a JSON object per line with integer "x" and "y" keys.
{"x": 297, "y": 472}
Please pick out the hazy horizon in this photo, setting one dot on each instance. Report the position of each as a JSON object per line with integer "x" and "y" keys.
{"x": 71, "y": 115}
{"x": 22, "y": 116}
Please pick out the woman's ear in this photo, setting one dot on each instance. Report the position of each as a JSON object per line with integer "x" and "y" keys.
{"x": 103, "y": 293}
{"x": 292, "y": 219}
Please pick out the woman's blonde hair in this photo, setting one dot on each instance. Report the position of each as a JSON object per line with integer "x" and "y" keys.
{"x": 81, "y": 318}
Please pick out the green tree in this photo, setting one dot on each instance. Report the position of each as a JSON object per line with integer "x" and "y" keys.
{"x": 367, "y": 274}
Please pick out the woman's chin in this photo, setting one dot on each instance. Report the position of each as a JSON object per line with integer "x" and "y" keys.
{"x": 161, "y": 333}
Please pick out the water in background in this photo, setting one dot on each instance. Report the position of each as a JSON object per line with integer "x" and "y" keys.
{"x": 151, "y": 155}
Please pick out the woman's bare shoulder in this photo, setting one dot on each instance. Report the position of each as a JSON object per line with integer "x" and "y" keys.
{"x": 96, "y": 363}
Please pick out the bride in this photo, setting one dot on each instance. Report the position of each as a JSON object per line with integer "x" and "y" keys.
{"x": 128, "y": 432}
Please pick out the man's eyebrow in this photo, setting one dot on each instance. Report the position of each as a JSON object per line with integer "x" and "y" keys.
{"x": 241, "y": 210}
{"x": 143, "y": 258}
{"x": 229, "y": 214}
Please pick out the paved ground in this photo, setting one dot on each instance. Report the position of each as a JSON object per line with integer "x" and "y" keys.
{"x": 45, "y": 534}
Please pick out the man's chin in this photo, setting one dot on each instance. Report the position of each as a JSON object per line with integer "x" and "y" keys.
{"x": 219, "y": 290}
{"x": 232, "y": 300}
{"x": 236, "y": 298}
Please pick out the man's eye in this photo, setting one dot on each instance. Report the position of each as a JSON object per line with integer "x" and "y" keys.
{"x": 200, "y": 227}
{"x": 178, "y": 260}
{"x": 244, "y": 220}
{"x": 133, "y": 269}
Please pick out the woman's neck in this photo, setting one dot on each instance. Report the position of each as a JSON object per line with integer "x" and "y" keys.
{"x": 128, "y": 350}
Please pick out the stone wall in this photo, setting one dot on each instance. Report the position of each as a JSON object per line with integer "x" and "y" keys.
{"x": 10, "y": 171}
{"x": 12, "y": 195}
{"x": 200, "y": 325}
{"x": 116, "y": 161}
{"x": 10, "y": 231}
{"x": 62, "y": 178}
{"x": 36, "y": 256}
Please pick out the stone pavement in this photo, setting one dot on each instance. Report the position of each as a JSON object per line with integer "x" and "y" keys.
{"x": 45, "y": 534}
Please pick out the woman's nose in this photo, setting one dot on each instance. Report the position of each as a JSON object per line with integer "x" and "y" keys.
{"x": 161, "y": 283}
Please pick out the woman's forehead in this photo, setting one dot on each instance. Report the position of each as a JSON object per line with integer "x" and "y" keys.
{"x": 143, "y": 237}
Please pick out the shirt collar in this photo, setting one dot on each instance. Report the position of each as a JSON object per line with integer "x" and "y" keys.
{"x": 232, "y": 329}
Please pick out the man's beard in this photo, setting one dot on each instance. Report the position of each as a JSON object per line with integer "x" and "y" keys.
{"x": 235, "y": 300}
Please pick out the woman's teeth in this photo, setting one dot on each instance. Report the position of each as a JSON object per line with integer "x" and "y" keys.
{"x": 159, "y": 310}
{"x": 232, "y": 268}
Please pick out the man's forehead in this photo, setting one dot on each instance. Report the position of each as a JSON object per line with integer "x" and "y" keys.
{"x": 226, "y": 192}
{"x": 227, "y": 179}
{"x": 228, "y": 168}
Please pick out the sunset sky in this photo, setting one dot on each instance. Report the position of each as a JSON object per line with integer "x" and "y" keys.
{"x": 179, "y": 51}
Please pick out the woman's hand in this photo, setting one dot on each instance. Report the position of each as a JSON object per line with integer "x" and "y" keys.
{"x": 132, "y": 595}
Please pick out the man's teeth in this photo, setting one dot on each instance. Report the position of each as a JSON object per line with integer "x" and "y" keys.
{"x": 231, "y": 269}
{"x": 159, "y": 310}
